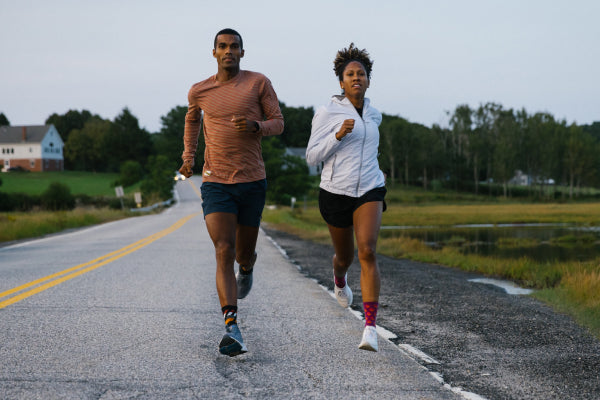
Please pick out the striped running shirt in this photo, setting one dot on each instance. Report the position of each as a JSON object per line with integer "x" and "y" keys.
{"x": 231, "y": 156}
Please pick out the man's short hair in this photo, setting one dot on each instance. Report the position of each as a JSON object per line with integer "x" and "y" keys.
{"x": 229, "y": 31}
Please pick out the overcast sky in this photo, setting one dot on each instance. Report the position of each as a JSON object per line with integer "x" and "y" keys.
{"x": 430, "y": 56}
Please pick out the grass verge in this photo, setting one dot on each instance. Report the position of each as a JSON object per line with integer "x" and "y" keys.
{"x": 17, "y": 226}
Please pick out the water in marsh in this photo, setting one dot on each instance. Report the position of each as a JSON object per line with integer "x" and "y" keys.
{"x": 540, "y": 242}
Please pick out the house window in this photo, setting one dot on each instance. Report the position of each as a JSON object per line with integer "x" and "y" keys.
{"x": 32, "y": 164}
{"x": 31, "y": 149}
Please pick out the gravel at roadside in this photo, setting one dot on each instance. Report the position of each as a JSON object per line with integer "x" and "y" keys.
{"x": 486, "y": 341}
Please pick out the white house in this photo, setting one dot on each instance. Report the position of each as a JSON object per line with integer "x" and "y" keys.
{"x": 301, "y": 152}
{"x": 34, "y": 148}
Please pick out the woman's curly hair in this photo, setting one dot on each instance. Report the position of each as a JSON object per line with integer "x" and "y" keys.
{"x": 345, "y": 56}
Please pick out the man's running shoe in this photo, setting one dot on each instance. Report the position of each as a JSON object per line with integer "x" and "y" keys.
{"x": 343, "y": 295}
{"x": 244, "y": 284}
{"x": 244, "y": 281}
{"x": 369, "y": 339}
{"x": 232, "y": 344}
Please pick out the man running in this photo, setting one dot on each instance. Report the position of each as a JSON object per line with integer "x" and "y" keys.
{"x": 237, "y": 108}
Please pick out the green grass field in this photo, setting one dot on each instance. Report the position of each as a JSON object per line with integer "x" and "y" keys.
{"x": 35, "y": 183}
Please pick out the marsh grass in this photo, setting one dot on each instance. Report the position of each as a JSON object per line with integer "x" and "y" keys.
{"x": 574, "y": 239}
{"x": 585, "y": 214}
{"x": 578, "y": 295}
{"x": 513, "y": 243}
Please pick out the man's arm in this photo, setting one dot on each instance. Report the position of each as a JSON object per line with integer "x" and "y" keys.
{"x": 273, "y": 123}
{"x": 193, "y": 121}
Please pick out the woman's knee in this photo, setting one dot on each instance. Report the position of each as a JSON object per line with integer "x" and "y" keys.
{"x": 367, "y": 253}
{"x": 343, "y": 260}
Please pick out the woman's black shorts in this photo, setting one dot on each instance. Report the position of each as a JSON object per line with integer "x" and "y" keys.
{"x": 337, "y": 209}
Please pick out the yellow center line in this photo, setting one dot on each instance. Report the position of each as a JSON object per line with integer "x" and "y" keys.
{"x": 195, "y": 189}
{"x": 81, "y": 269}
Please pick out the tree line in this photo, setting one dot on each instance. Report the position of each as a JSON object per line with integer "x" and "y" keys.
{"x": 485, "y": 146}
{"x": 96, "y": 144}
{"x": 480, "y": 150}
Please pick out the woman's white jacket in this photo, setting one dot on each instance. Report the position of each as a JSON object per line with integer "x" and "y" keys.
{"x": 350, "y": 165}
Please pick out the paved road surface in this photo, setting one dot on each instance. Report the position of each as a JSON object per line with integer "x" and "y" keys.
{"x": 129, "y": 310}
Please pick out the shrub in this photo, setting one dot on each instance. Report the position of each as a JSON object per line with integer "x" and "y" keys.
{"x": 131, "y": 172}
{"x": 18, "y": 201}
{"x": 159, "y": 182}
{"x": 58, "y": 197}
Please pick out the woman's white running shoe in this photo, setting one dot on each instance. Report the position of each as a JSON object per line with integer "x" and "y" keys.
{"x": 369, "y": 339}
{"x": 343, "y": 295}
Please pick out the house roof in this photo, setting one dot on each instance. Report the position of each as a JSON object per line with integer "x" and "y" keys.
{"x": 296, "y": 151}
{"x": 14, "y": 134}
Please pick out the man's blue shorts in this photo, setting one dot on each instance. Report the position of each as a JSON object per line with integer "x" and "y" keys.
{"x": 246, "y": 200}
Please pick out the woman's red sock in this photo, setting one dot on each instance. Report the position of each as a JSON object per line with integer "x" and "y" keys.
{"x": 370, "y": 308}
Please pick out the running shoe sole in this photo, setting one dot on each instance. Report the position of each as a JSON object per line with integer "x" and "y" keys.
{"x": 231, "y": 347}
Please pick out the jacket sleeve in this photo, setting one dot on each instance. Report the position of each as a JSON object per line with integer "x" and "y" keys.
{"x": 322, "y": 143}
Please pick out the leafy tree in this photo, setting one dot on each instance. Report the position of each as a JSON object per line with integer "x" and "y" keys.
{"x": 287, "y": 175}
{"x": 438, "y": 158}
{"x": 297, "y": 125}
{"x": 389, "y": 144}
{"x": 424, "y": 153}
{"x": 505, "y": 161}
{"x": 482, "y": 142}
{"x": 580, "y": 157}
{"x": 126, "y": 141}
{"x": 69, "y": 121}
{"x": 461, "y": 124}
{"x": 169, "y": 141}
{"x": 131, "y": 173}
{"x": 4, "y": 120}
{"x": 593, "y": 129}
{"x": 397, "y": 142}
{"x": 85, "y": 148}
{"x": 159, "y": 180}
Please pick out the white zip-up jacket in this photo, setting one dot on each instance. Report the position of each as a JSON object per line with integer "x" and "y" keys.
{"x": 350, "y": 165}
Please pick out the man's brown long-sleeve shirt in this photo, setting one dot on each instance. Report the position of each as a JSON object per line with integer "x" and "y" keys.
{"x": 231, "y": 156}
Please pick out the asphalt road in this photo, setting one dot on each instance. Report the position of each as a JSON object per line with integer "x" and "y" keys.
{"x": 129, "y": 310}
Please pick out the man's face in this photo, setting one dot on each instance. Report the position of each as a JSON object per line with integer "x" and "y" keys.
{"x": 228, "y": 51}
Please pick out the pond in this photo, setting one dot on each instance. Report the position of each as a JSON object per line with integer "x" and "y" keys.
{"x": 540, "y": 242}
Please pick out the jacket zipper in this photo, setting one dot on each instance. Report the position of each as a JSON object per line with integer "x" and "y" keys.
{"x": 362, "y": 151}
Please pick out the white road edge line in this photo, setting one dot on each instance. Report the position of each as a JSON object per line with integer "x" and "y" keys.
{"x": 408, "y": 350}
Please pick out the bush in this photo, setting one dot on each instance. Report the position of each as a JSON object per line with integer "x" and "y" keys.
{"x": 58, "y": 197}
{"x": 18, "y": 201}
{"x": 159, "y": 182}
{"x": 131, "y": 172}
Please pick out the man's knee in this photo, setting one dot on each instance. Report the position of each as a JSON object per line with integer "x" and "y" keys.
{"x": 225, "y": 248}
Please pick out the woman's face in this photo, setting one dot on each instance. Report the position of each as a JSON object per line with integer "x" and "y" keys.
{"x": 354, "y": 80}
